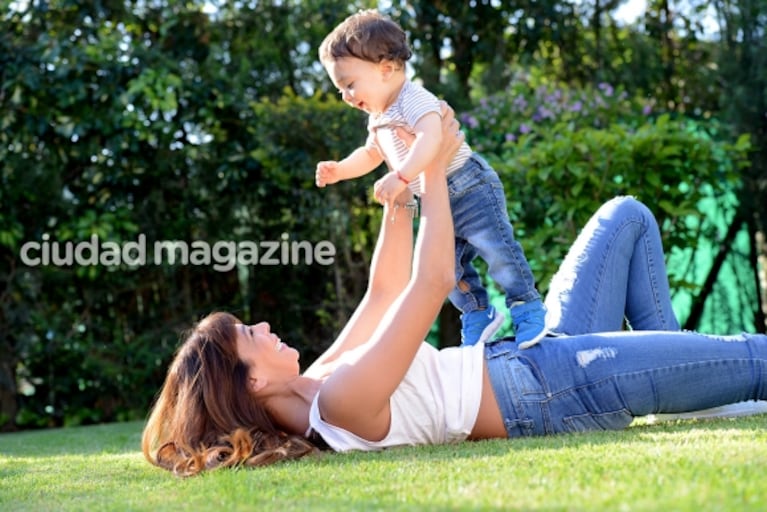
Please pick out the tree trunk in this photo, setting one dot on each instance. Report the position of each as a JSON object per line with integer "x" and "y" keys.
{"x": 696, "y": 311}
{"x": 759, "y": 263}
{"x": 8, "y": 405}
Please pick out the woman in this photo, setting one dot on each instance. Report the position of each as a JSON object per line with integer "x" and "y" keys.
{"x": 234, "y": 394}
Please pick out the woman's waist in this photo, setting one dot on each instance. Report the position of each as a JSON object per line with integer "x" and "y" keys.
{"x": 489, "y": 424}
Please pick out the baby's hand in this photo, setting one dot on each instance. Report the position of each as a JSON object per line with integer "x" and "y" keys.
{"x": 327, "y": 173}
{"x": 388, "y": 188}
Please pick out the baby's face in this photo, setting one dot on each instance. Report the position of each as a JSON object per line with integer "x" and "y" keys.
{"x": 362, "y": 84}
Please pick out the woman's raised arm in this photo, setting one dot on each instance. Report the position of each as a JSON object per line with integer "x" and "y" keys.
{"x": 356, "y": 396}
{"x": 389, "y": 273}
{"x": 390, "y": 269}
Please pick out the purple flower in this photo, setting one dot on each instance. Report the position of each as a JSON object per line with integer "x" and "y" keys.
{"x": 647, "y": 110}
{"x": 469, "y": 120}
{"x": 510, "y": 137}
{"x": 553, "y": 97}
{"x": 606, "y": 88}
{"x": 523, "y": 128}
{"x": 576, "y": 107}
{"x": 545, "y": 113}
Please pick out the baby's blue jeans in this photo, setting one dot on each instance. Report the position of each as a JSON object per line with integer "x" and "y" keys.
{"x": 482, "y": 228}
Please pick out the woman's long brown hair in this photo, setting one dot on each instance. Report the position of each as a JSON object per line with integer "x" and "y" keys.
{"x": 205, "y": 417}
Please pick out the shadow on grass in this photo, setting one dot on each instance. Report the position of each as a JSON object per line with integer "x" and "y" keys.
{"x": 635, "y": 434}
{"x": 125, "y": 438}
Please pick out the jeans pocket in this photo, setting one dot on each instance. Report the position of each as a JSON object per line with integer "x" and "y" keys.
{"x": 616, "y": 420}
{"x": 519, "y": 428}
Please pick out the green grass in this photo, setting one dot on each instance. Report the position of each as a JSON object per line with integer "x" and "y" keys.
{"x": 684, "y": 465}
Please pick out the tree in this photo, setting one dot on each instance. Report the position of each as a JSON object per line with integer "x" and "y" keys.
{"x": 152, "y": 120}
{"x": 743, "y": 64}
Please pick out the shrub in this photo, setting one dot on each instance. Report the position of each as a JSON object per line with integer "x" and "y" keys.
{"x": 562, "y": 152}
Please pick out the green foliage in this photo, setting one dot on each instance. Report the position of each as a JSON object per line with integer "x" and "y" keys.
{"x": 742, "y": 64}
{"x": 160, "y": 122}
{"x": 562, "y": 152}
{"x": 287, "y": 138}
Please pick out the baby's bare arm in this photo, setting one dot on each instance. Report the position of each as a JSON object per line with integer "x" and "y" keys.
{"x": 360, "y": 162}
{"x": 424, "y": 146}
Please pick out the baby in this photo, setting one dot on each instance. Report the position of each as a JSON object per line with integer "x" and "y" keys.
{"x": 365, "y": 58}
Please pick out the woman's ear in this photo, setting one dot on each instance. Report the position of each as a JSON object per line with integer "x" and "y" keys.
{"x": 256, "y": 384}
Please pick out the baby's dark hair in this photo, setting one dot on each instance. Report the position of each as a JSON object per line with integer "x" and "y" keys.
{"x": 367, "y": 35}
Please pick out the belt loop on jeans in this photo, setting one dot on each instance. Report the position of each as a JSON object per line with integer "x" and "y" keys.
{"x": 479, "y": 160}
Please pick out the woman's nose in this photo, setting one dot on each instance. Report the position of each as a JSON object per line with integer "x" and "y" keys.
{"x": 262, "y": 326}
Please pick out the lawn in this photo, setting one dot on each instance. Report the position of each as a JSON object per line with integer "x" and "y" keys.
{"x": 682, "y": 465}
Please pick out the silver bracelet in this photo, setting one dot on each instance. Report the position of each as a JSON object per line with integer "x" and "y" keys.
{"x": 411, "y": 207}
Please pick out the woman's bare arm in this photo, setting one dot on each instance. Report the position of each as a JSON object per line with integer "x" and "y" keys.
{"x": 356, "y": 396}
{"x": 389, "y": 273}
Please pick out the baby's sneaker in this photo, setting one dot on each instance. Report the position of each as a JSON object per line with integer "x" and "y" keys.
{"x": 478, "y": 326}
{"x": 529, "y": 321}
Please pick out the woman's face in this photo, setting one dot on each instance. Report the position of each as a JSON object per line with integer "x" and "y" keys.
{"x": 264, "y": 352}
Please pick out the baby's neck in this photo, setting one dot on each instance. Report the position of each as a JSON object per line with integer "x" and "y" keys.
{"x": 396, "y": 83}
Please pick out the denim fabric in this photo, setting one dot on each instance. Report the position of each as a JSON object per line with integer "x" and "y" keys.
{"x": 601, "y": 381}
{"x": 614, "y": 270}
{"x": 482, "y": 228}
